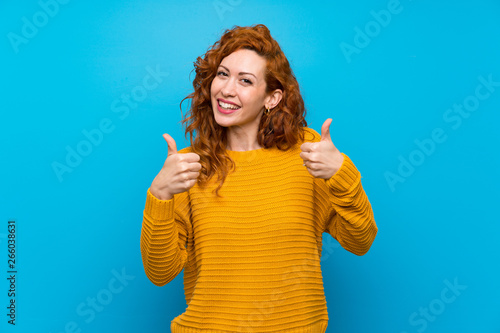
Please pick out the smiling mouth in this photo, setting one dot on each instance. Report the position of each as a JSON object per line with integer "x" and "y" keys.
{"x": 228, "y": 106}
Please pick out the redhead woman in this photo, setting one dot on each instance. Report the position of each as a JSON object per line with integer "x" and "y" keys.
{"x": 242, "y": 210}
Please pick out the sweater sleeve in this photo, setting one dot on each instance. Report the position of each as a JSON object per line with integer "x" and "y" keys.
{"x": 164, "y": 234}
{"x": 350, "y": 217}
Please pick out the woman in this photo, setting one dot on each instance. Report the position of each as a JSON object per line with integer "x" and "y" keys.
{"x": 243, "y": 209}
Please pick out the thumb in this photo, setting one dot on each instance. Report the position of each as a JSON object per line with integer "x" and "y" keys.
{"x": 325, "y": 130}
{"x": 172, "y": 147}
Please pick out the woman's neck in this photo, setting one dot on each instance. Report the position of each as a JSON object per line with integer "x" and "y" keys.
{"x": 241, "y": 140}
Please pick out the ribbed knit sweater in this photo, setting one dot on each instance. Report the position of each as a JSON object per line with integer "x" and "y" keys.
{"x": 251, "y": 258}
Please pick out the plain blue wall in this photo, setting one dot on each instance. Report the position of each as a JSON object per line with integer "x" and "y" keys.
{"x": 394, "y": 86}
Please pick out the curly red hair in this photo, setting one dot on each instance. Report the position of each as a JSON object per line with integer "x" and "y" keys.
{"x": 281, "y": 128}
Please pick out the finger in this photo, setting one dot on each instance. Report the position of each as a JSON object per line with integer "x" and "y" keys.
{"x": 192, "y": 175}
{"x": 190, "y": 183}
{"x": 307, "y": 146}
{"x": 312, "y": 157}
{"x": 188, "y": 175}
{"x": 172, "y": 147}
{"x": 325, "y": 130}
{"x": 313, "y": 166}
{"x": 190, "y": 157}
{"x": 185, "y": 167}
{"x": 306, "y": 156}
{"x": 193, "y": 167}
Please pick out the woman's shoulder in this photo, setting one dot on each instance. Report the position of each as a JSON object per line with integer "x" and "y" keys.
{"x": 311, "y": 135}
{"x": 185, "y": 150}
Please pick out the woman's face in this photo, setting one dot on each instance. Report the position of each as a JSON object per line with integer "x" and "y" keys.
{"x": 238, "y": 91}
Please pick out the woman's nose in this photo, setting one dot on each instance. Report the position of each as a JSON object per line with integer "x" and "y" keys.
{"x": 229, "y": 88}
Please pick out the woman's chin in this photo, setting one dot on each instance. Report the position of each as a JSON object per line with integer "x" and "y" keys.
{"x": 223, "y": 121}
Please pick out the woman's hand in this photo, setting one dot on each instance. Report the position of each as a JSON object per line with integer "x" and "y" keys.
{"x": 179, "y": 172}
{"x": 322, "y": 159}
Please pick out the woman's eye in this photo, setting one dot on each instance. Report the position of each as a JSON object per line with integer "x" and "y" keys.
{"x": 247, "y": 81}
{"x": 221, "y": 73}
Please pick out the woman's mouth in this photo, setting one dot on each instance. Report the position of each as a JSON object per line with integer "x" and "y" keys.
{"x": 227, "y": 108}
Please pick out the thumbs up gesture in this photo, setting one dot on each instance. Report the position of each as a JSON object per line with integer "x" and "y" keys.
{"x": 322, "y": 159}
{"x": 179, "y": 172}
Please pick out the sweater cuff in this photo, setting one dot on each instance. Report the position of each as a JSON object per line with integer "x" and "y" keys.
{"x": 345, "y": 178}
{"x": 159, "y": 210}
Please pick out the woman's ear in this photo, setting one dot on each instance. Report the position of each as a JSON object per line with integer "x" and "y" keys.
{"x": 274, "y": 98}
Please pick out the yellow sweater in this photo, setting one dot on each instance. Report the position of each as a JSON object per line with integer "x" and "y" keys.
{"x": 251, "y": 259}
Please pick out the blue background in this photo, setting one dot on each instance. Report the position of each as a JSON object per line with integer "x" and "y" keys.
{"x": 438, "y": 222}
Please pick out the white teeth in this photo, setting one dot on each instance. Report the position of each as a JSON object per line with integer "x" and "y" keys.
{"x": 228, "y": 106}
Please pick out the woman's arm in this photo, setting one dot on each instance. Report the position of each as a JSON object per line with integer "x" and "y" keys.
{"x": 341, "y": 202}
{"x": 350, "y": 219}
{"x": 163, "y": 237}
{"x": 165, "y": 228}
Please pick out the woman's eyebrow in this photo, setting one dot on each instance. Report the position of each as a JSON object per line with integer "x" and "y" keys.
{"x": 240, "y": 73}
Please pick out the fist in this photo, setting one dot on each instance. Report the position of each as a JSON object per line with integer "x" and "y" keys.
{"x": 322, "y": 159}
{"x": 179, "y": 172}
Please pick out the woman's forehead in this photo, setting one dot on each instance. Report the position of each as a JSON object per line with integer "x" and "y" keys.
{"x": 245, "y": 61}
